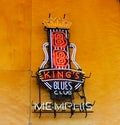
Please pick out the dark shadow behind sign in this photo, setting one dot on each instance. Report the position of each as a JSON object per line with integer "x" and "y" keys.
{"x": 56, "y": 72}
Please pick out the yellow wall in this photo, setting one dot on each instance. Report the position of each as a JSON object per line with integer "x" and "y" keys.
{"x": 95, "y": 31}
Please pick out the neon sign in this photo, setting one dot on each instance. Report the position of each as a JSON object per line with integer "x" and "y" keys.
{"x": 60, "y": 54}
{"x": 56, "y": 73}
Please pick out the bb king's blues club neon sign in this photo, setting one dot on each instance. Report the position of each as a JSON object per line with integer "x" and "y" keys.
{"x": 56, "y": 72}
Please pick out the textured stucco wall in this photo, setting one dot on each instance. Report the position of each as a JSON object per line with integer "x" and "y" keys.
{"x": 96, "y": 32}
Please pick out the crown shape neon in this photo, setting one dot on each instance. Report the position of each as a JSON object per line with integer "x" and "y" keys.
{"x": 57, "y": 23}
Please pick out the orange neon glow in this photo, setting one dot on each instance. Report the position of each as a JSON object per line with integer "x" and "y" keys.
{"x": 59, "y": 50}
{"x": 61, "y": 74}
{"x": 60, "y": 58}
{"x": 59, "y": 39}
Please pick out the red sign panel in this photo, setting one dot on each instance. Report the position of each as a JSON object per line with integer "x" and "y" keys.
{"x": 59, "y": 50}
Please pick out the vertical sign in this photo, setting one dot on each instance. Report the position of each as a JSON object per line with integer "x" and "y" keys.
{"x": 59, "y": 49}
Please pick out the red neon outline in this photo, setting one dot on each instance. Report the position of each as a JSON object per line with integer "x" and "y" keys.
{"x": 59, "y": 47}
{"x": 59, "y": 39}
{"x": 60, "y": 58}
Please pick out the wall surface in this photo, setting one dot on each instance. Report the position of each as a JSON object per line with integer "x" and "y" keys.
{"x": 96, "y": 32}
